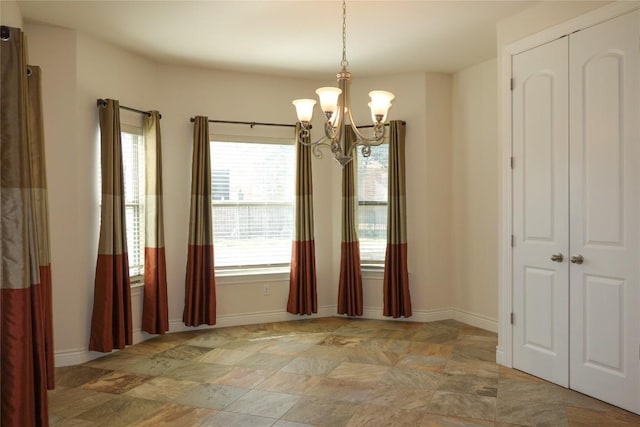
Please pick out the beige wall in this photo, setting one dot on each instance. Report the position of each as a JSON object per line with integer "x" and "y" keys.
{"x": 10, "y": 14}
{"x": 423, "y": 100}
{"x": 78, "y": 69}
{"x": 475, "y": 185}
{"x": 452, "y": 190}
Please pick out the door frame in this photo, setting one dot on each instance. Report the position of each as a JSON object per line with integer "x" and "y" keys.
{"x": 504, "y": 350}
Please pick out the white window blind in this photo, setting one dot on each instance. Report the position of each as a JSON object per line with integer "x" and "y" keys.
{"x": 133, "y": 170}
{"x": 253, "y": 196}
{"x": 373, "y": 177}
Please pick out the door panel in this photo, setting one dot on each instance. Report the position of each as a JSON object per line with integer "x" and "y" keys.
{"x": 603, "y": 323}
{"x": 603, "y": 149}
{"x": 605, "y": 211}
{"x": 540, "y": 183}
{"x": 539, "y": 286}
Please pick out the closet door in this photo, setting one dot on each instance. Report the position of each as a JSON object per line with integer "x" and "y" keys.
{"x": 540, "y": 211}
{"x": 605, "y": 211}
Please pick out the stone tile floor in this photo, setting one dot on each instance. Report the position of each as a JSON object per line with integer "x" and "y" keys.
{"x": 320, "y": 372}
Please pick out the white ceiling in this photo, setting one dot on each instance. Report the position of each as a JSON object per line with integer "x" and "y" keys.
{"x": 296, "y": 38}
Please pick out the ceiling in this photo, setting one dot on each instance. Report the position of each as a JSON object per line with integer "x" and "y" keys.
{"x": 294, "y": 38}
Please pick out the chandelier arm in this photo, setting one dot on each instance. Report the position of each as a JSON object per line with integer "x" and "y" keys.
{"x": 378, "y": 137}
{"x": 321, "y": 142}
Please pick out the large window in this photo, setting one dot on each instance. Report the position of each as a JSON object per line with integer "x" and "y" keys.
{"x": 253, "y": 195}
{"x": 373, "y": 177}
{"x": 133, "y": 170}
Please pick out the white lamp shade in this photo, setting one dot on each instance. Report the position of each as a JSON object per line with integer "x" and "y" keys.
{"x": 304, "y": 109}
{"x": 380, "y": 103}
{"x": 373, "y": 114}
{"x": 328, "y": 98}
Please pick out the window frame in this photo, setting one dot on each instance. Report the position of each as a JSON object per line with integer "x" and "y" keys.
{"x": 378, "y": 264}
{"x": 137, "y": 279}
{"x": 253, "y": 272}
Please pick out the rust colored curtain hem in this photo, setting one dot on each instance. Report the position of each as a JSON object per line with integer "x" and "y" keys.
{"x": 350, "y": 287}
{"x": 26, "y": 403}
{"x": 111, "y": 329}
{"x": 200, "y": 299}
{"x": 155, "y": 318}
{"x": 396, "y": 282}
{"x": 302, "y": 282}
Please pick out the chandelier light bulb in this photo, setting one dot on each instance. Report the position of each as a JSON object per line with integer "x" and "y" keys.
{"x": 304, "y": 109}
{"x": 377, "y": 116}
{"x": 329, "y": 99}
{"x": 380, "y": 104}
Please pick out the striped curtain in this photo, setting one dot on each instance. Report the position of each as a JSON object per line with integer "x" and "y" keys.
{"x": 303, "y": 298}
{"x": 350, "y": 285}
{"x": 397, "y": 299}
{"x": 155, "y": 310}
{"x": 200, "y": 283}
{"x": 26, "y": 334}
{"x": 111, "y": 318}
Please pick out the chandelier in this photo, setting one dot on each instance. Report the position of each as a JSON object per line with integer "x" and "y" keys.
{"x": 335, "y": 102}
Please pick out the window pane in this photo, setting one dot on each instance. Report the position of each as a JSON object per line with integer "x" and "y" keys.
{"x": 133, "y": 170}
{"x": 373, "y": 178}
{"x": 252, "y": 186}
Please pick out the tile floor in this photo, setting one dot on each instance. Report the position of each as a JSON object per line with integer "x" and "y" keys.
{"x": 320, "y": 372}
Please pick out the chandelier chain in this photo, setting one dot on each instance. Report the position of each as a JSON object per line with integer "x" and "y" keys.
{"x": 344, "y": 63}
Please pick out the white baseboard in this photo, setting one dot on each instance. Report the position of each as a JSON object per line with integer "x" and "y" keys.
{"x": 223, "y": 321}
{"x": 476, "y": 320}
{"x": 74, "y": 357}
{"x": 417, "y": 315}
{"x": 500, "y": 358}
{"x": 78, "y": 356}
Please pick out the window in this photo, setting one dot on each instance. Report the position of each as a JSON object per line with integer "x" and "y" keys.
{"x": 134, "y": 194}
{"x": 373, "y": 177}
{"x": 253, "y": 195}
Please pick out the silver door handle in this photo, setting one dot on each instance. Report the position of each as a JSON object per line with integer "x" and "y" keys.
{"x": 577, "y": 259}
{"x": 557, "y": 257}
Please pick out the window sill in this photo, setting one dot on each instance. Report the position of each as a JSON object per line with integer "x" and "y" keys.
{"x": 252, "y": 275}
{"x": 137, "y": 282}
{"x": 372, "y": 271}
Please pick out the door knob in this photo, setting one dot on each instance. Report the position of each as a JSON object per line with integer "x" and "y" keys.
{"x": 577, "y": 259}
{"x": 557, "y": 257}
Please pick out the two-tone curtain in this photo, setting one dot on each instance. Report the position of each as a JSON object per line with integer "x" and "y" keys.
{"x": 303, "y": 298}
{"x": 350, "y": 284}
{"x": 397, "y": 299}
{"x": 26, "y": 337}
{"x": 155, "y": 310}
{"x": 200, "y": 282}
{"x": 111, "y": 319}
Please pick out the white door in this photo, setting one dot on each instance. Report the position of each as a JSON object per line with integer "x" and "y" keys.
{"x": 605, "y": 213}
{"x": 540, "y": 212}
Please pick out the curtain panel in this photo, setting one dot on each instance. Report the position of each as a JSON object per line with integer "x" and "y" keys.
{"x": 200, "y": 282}
{"x": 26, "y": 337}
{"x": 350, "y": 284}
{"x": 303, "y": 298}
{"x": 155, "y": 309}
{"x": 397, "y": 298}
{"x": 111, "y": 319}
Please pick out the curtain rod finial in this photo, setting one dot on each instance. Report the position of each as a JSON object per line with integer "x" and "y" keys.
{"x": 5, "y": 33}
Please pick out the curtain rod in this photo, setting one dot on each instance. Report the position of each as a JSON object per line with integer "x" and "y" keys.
{"x": 386, "y": 124}
{"x": 101, "y": 103}
{"x": 252, "y": 124}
